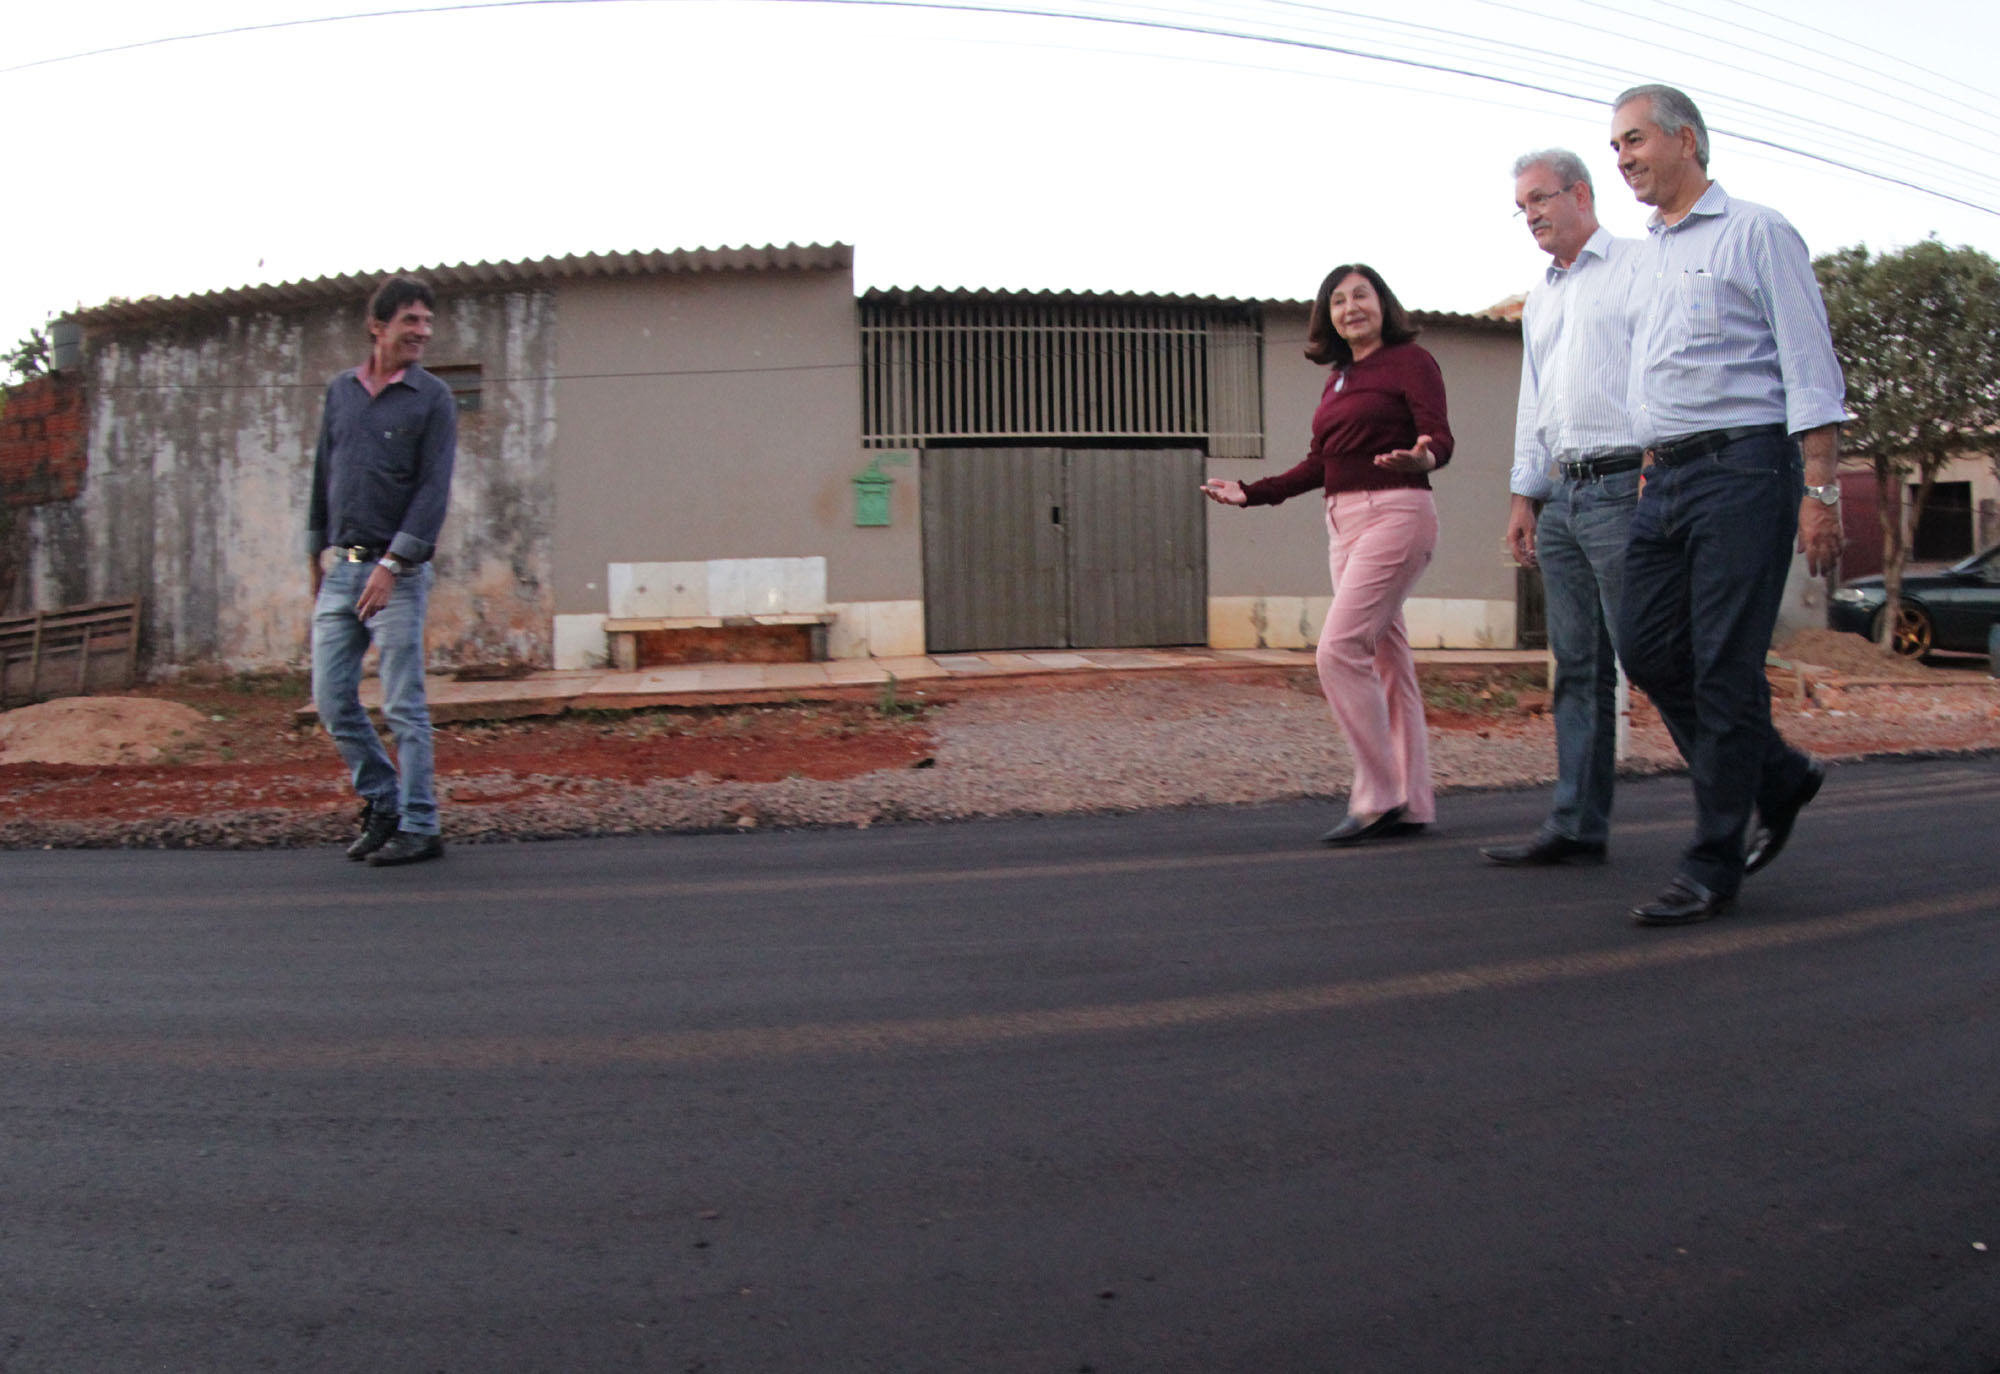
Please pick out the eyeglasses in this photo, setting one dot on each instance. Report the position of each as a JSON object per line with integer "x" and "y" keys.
{"x": 1537, "y": 199}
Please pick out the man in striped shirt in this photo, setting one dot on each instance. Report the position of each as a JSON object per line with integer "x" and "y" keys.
{"x": 1575, "y": 483}
{"x": 1737, "y": 397}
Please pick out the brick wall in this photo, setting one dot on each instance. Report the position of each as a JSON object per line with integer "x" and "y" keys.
{"x": 42, "y": 440}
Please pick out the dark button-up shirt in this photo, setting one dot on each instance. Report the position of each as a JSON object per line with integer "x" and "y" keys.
{"x": 382, "y": 472}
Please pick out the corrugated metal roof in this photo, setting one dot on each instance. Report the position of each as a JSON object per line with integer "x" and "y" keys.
{"x": 478, "y": 276}
{"x": 1484, "y": 319}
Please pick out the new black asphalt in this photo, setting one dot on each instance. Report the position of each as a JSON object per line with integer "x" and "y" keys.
{"x": 1162, "y": 1092}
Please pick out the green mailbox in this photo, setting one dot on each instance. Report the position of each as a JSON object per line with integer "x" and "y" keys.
{"x": 871, "y": 490}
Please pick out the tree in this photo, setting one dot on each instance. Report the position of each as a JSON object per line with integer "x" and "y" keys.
{"x": 28, "y": 358}
{"x": 1918, "y": 335}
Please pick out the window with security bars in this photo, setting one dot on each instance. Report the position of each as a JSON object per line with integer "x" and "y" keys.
{"x": 943, "y": 370}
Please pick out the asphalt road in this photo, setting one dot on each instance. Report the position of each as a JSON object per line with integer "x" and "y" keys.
{"x": 1167, "y": 1092}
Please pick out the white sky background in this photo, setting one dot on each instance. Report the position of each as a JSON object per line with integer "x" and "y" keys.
{"x": 950, "y": 149}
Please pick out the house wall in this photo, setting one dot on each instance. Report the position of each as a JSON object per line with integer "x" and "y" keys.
{"x": 194, "y": 497}
{"x": 718, "y": 416}
{"x": 1267, "y": 569}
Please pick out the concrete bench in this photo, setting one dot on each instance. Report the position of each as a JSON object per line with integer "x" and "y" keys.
{"x": 661, "y": 641}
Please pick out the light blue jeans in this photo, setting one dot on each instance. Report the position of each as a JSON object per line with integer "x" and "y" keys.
{"x": 1580, "y": 542}
{"x": 339, "y": 640}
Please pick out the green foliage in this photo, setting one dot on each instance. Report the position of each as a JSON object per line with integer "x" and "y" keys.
{"x": 1918, "y": 334}
{"x": 28, "y": 358}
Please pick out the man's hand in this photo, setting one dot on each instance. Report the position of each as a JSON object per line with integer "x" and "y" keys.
{"x": 1819, "y": 536}
{"x": 375, "y": 593}
{"x": 1224, "y": 491}
{"x": 1416, "y": 458}
{"x": 318, "y": 576}
{"x": 1521, "y": 514}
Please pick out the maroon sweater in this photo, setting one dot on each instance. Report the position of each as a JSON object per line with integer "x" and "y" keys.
{"x": 1387, "y": 400}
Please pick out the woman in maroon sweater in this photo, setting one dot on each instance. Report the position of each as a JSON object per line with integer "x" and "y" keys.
{"x": 1379, "y": 432}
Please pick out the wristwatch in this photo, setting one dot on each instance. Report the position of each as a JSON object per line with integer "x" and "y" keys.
{"x": 396, "y": 567}
{"x": 1826, "y": 495}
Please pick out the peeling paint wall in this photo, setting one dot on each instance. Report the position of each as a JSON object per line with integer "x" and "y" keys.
{"x": 200, "y": 454}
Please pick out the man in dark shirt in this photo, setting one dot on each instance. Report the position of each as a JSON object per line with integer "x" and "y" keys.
{"x": 381, "y": 480}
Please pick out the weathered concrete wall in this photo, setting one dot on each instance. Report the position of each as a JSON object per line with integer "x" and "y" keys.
{"x": 1282, "y": 551}
{"x": 718, "y": 415}
{"x": 201, "y": 435}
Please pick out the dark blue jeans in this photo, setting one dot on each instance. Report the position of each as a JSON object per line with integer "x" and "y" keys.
{"x": 1580, "y": 543}
{"x": 1704, "y": 575}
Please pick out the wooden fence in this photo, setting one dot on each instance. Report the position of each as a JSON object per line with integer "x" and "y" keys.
{"x": 68, "y": 652}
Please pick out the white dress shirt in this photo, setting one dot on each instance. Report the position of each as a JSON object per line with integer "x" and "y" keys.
{"x": 1576, "y": 362}
{"x": 1732, "y": 330}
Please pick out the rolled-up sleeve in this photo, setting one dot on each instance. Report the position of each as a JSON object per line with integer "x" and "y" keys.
{"x": 437, "y": 451}
{"x": 1530, "y": 475}
{"x": 1815, "y": 390}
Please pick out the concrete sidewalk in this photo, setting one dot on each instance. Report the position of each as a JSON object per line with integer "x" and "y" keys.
{"x": 721, "y": 684}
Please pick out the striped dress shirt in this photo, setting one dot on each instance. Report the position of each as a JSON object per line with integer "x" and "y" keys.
{"x": 1732, "y": 330}
{"x": 1576, "y": 363}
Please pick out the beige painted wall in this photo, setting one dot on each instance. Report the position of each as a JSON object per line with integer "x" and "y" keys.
{"x": 1281, "y": 551}
{"x": 718, "y": 415}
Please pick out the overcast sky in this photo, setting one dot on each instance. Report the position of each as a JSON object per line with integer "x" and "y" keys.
{"x": 951, "y": 149}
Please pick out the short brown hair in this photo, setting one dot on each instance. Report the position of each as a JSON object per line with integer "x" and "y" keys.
{"x": 1323, "y": 341}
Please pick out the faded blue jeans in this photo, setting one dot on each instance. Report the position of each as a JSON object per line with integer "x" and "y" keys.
{"x": 339, "y": 640}
{"x": 1580, "y": 543}
{"x": 1704, "y": 575}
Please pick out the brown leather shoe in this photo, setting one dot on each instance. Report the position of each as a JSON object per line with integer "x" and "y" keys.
{"x": 1683, "y": 904}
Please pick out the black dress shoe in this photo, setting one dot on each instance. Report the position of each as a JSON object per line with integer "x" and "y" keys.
{"x": 1776, "y": 826}
{"x": 406, "y": 847}
{"x": 376, "y": 828}
{"x": 1546, "y": 848}
{"x": 1360, "y": 829}
{"x": 1683, "y": 903}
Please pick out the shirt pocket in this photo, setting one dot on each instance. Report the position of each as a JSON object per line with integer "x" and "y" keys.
{"x": 1700, "y": 303}
{"x": 397, "y": 449}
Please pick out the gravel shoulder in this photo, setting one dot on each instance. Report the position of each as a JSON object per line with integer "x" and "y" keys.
{"x": 1106, "y": 743}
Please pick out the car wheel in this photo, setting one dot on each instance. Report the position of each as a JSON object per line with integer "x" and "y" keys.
{"x": 1913, "y": 633}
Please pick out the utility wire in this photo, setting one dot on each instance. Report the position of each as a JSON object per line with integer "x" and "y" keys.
{"x": 1141, "y": 21}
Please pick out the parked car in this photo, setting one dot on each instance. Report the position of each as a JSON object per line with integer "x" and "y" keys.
{"x": 1953, "y": 609}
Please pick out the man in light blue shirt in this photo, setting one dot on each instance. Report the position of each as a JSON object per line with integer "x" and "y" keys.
{"x": 1575, "y": 483}
{"x": 1738, "y": 398}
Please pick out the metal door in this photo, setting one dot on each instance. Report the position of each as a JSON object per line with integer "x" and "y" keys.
{"x": 1053, "y": 548}
{"x": 995, "y": 570}
{"x": 1138, "y": 548}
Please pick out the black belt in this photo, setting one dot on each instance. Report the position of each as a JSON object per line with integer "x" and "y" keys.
{"x": 1688, "y": 447}
{"x": 360, "y": 553}
{"x": 1603, "y": 465}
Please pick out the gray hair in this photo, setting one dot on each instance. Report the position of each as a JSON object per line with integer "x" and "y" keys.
{"x": 1561, "y": 161}
{"x": 1672, "y": 111}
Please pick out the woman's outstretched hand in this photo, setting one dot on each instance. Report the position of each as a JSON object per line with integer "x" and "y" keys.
{"x": 1227, "y": 492}
{"x": 1416, "y": 458}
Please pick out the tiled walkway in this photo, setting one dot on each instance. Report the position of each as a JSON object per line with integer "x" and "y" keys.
{"x": 708, "y": 684}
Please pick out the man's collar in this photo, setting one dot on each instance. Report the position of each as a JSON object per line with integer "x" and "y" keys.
{"x": 1714, "y": 201}
{"x": 1597, "y": 245}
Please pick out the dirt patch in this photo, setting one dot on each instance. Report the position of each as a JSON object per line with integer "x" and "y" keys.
{"x": 1852, "y": 655}
{"x": 99, "y": 730}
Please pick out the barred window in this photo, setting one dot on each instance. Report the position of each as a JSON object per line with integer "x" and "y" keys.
{"x": 1027, "y": 370}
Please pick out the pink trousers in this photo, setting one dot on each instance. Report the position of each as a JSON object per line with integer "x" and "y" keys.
{"x": 1378, "y": 545}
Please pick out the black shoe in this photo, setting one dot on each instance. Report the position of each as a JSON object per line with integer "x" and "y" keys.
{"x": 1776, "y": 827}
{"x": 407, "y": 848}
{"x": 1356, "y": 830}
{"x": 376, "y": 828}
{"x": 1683, "y": 903}
{"x": 1546, "y": 848}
